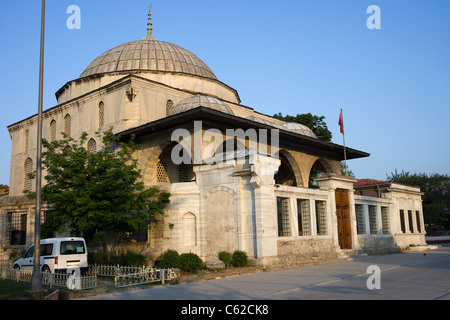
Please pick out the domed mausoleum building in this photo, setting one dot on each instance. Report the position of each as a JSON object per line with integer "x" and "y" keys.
{"x": 240, "y": 179}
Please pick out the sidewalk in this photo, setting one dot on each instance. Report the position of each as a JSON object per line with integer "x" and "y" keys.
{"x": 274, "y": 285}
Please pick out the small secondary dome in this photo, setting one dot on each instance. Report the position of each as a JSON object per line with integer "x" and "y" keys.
{"x": 299, "y": 128}
{"x": 264, "y": 121}
{"x": 200, "y": 101}
{"x": 149, "y": 55}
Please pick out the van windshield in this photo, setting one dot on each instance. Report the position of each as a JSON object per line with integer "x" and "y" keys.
{"x": 72, "y": 247}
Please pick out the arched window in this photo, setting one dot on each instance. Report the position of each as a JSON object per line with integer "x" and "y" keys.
{"x": 101, "y": 114}
{"x": 169, "y": 169}
{"x": 169, "y": 106}
{"x": 161, "y": 172}
{"x": 68, "y": 125}
{"x": 52, "y": 130}
{"x": 92, "y": 145}
{"x": 27, "y": 182}
{"x": 26, "y": 140}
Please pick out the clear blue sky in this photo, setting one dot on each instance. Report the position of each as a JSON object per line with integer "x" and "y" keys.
{"x": 283, "y": 56}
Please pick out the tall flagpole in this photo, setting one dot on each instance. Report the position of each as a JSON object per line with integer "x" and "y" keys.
{"x": 36, "y": 280}
{"x": 343, "y": 137}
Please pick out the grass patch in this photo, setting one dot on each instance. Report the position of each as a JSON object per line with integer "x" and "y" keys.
{"x": 13, "y": 290}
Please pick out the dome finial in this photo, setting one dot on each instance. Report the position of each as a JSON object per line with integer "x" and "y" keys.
{"x": 150, "y": 24}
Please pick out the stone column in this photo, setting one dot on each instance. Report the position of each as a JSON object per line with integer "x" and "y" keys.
{"x": 263, "y": 169}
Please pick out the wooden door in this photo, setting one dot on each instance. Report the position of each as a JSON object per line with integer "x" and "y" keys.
{"x": 343, "y": 219}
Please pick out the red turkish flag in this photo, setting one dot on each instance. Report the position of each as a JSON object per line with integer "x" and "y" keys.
{"x": 341, "y": 123}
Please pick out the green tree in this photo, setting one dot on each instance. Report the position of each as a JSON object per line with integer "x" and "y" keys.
{"x": 97, "y": 192}
{"x": 436, "y": 200}
{"x": 315, "y": 123}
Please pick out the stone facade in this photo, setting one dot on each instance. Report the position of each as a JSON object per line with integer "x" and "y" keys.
{"x": 260, "y": 200}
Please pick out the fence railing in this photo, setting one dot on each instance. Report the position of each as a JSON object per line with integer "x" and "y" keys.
{"x": 70, "y": 281}
{"x": 148, "y": 275}
{"x": 124, "y": 276}
{"x": 113, "y": 270}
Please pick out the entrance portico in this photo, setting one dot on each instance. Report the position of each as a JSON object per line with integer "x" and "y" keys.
{"x": 341, "y": 208}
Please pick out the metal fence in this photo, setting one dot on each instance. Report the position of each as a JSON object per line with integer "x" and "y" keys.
{"x": 112, "y": 271}
{"x": 123, "y": 276}
{"x": 148, "y": 275}
{"x": 70, "y": 281}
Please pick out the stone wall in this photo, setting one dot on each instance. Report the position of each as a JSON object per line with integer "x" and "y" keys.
{"x": 375, "y": 245}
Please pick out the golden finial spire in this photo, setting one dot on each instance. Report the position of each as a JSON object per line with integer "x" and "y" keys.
{"x": 149, "y": 28}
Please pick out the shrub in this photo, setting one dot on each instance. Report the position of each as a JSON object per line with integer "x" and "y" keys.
{"x": 190, "y": 262}
{"x": 225, "y": 257}
{"x": 169, "y": 259}
{"x": 239, "y": 258}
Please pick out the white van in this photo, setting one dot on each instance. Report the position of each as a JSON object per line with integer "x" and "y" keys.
{"x": 58, "y": 255}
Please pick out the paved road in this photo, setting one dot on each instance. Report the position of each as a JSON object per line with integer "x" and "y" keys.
{"x": 407, "y": 276}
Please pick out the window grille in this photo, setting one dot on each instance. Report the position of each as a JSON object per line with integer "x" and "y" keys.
{"x": 304, "y": 221}
{"x": 183, "y": 173}
{"x": 411, "y": 228}
{"x": 373, "y": 219}
{"x": 385, "y": 219}
{"x": 17, "y": 227}
{"x": 419, "y": 228}
{"x": 161, "y": 172}
{"x": 68, "y": 125}
{"x": 169, "y": 106}
{"x": 52, "y": 131}
{"x": 101, "y": 114}
{"x": 284, "y": 229}
{"x": 27, "y": 184}
{"x": 402, "y": 221}
{"x": 360, "y": 226}
{"x": 92, "y": 145}
{"x": 321, "y": 218}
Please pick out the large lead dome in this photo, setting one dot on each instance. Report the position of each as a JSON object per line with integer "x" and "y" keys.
{"x": 149, "y": 55}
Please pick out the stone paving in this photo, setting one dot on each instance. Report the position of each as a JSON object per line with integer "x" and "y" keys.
{"x": 414, "y": 275}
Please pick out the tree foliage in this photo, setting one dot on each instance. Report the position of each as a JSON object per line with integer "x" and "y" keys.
{"x": 97, "y": 192}
{"x": 435, "y": 201}
{"x": 315, "y": 123}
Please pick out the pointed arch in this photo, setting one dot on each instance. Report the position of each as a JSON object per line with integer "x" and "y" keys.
{"x": 53, "y": 130}
{"x": 92, "y": 145}
{"x": 160, "y": 169}
{"x": 101, "y": 114}
{"x": 68, "y": 125}
{"x": 26, "y": 140}
{"x": 289, "y": 172}
{"x": 320, "y": 166}
{"x": 28, "y": 168}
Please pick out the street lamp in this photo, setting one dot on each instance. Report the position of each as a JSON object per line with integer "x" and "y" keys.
{"x": 36, "y": 280}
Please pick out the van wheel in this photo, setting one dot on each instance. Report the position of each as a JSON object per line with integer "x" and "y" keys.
{"x": 46, "y": 269}
{"x": 16, "y": 267}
